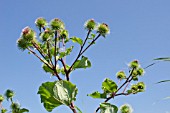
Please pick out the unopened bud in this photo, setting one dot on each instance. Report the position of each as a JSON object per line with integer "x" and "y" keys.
{"x": 103, "y": 29}
{"x": 90, "y": 24}
{"x": 57, "y": 24}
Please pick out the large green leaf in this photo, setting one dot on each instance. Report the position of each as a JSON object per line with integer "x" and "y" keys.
{"x": 108, "y": 108}
{"x": 77, "y": 40}
{"x": 98, "y": 95}
{"x": 83, "y": 63}
{"x": 47, "y": 96}
{"x": 65, "y": 92}
{"x": 109, "y": 86}
{"x": 163, "y": 59}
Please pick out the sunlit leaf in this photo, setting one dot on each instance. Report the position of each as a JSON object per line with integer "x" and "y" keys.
{"x": 65, "y": 92}
{"x": 83, "y": 63}
{"x": 109, "y": 86}
{"x": 66, "y": 52}
{"x": 47, "y": 96}
{"x": 77, "y": 40}
{"x": 98, "y": 95}
{"x": 108, "y": 108}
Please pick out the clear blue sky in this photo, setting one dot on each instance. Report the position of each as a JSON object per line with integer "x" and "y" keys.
{"x": 140, "y": 29}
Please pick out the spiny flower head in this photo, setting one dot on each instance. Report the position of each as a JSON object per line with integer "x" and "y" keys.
{"x": 126, "y": 108}
{"x": 28, "y": 34}
{"x": 141, "y": 86}
{"x": 134, "y": 64}
{"x": 57, "y": 24}
{"x": 40, "y": 22}
{"x": 9, "y": 94}
{"x": 103, "y": 29}
{"x": 90, "y": 24}
{"x": 46, "y": 35}
{"x": 121, "y": 75}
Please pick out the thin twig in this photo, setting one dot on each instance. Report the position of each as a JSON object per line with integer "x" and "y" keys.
{"x": 49, "y": 55}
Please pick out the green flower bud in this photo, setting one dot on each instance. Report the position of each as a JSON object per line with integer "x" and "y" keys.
{"x": 135, "y": 78}
{"x": 134, "y": 64}
{"x": 3, "y": 110}
{"x": 47, "y": 34}
{"x": 141, "y": 86}
{"x": 15, "y": 106}
{"x": 40, "y": 22}
{"x": 126, "y": 108}
{"x": 135, "y": 73}
{"x": 140, "y": 71}
{"x": 121, "y": 75}
{"x": 9, "y": 93}
{"x": 134, "y": 89}
{"x": 22, "y": 44}
{"x": 64, "y": 34}
{"x": 90, "y": 24}
{"x": 103, "y": 29}
{"x": 28, "y": 34}
{"x": 57, "y": 24}
{"x": 1, "y": 98}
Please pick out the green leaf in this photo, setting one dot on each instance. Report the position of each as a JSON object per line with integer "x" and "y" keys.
{"x": 98, "y": 95}
{"x": 66, "y": 52}
{"x": 108, "y": 108}
{"x": 77, "y": 40}
{"x": 47, "y": 69}
{"x": 47, "y": 96}
{"x": 65, "y": 92}
{"x": 163, "y": 59}
{"x": 83, "y": 63}
{"x": 23, "y": 110}
{"x": 79, "y": 111}
{"x": 163, "y": 81}
{"x": 109, "y": 86}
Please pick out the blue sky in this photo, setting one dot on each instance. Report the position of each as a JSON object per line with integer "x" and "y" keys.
{"x": 140, "y": 29}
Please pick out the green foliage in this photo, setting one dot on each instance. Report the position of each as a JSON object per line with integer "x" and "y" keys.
{"x": 54, "y": 94}
{"x": 98, "y": 95}
{"x": 9, "y": 94}
{"x": 1, "y": 98}
{"x": 83, "y": 63}
{"x": 77, "y": 40}
{"x": 108, "y": 108}
{"x": 109, "y": 86}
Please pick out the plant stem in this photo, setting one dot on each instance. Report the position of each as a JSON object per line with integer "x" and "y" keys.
{"x": 73, "y": 108}
{"x": 55, "y": 47}
{"x": 65, "y": 69}
{"x": 49, "y": 55}
{"x": 49, "y": 66}
{"x": 82, "y": 51}
{"x": 114, "y": 93}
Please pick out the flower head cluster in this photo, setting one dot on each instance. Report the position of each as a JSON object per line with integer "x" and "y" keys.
{"x": 135, "y": 88}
